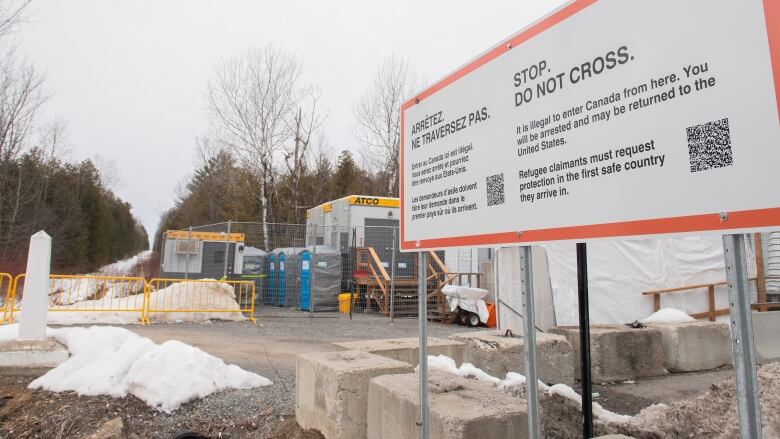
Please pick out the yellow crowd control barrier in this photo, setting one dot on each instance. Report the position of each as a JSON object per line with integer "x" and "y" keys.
{"x": 6, "y": 295}
{"x": 209, "y": 296}
{"x": 114, "y": 296}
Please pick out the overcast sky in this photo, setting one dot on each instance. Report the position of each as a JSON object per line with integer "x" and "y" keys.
{"x": 129, "y": 77}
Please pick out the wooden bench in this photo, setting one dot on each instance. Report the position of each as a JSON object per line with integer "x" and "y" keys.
{"x": 712, "y": 313}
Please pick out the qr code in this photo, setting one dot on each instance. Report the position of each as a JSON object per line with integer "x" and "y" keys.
{"x": 495, "y": 189}
{"x": 709, "y": 145}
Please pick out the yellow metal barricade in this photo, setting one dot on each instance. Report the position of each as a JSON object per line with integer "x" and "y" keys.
{"x": 85, "y": 294}
{"x": 218, "y": 297}
{"x": 6, "y": 296}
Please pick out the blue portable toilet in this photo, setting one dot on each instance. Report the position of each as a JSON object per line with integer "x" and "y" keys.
{"x": 282, "y": 281}
{"x": 270, "y": 285}
{"x": 304, "y": 303}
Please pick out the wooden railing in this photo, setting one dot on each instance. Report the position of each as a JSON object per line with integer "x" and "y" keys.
{"x": 367, "y": 260}
{"x": 437, "y": 276}
{"x": 712, "y": 313}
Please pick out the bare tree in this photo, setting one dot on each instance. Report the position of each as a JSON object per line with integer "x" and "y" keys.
{"x": 53, "y": 140}
{"x": 251, "y": 98}
{"x": 12, "y": 13}
{"x": 304, "y": 123}
{"x": 378, "y": 117}
{"x": 21, "y": 85}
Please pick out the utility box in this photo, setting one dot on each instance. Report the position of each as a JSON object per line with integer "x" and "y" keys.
{"x": 202, "y": 255}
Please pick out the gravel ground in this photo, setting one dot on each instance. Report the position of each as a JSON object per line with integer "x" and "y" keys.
{"x": 268, "y": 348}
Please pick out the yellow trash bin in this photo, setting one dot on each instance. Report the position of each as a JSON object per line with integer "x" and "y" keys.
{"x": 344, "y": 302}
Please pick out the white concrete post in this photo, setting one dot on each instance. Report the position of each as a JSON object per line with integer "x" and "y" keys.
{"x": 32, "y": 323}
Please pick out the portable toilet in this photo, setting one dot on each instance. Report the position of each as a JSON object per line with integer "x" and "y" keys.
{"x": 255, "y": 269}
{"x": 281, "y": 292}
{"x": 304, "y": 304}
{"x": 273, "y": 279}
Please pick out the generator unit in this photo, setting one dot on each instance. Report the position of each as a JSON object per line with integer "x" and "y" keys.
{"x": 202, "y": 255}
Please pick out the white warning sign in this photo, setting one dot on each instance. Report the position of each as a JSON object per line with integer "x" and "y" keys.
{"x": 607, "y": 118}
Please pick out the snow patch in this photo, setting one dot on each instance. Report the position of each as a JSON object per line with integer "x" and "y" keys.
{"x": 669, "y": 315}
{"x": 467, "y": 370}
{"x": 446, "y": 364}
{"x": 113, "y": 361}
{"x": 125, "y": 266}
{"x": 598, "y": 411}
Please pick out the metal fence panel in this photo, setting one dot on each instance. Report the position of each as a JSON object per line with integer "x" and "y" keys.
{"x": 318, "y": 268}
{"x": 87, "y": 294}
{"x": 220, "y": 299}
{"x": 6, "y": 296}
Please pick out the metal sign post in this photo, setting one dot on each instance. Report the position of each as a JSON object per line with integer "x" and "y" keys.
{"x": 495, "y": 287}
{"x": 423, "y": 331}
{"x": 392, "y": 273}
{"x": 587, "y": 386}
{"x": 227, "y": 251}
{"x": 742, "y": 337}
{"x": 189, "y": 254}
{"x": 529, "y": 344}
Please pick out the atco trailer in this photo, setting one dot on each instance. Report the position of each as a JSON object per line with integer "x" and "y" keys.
{"x": 347, "y": 222}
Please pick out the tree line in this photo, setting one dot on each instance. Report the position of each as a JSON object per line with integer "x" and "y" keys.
{"x": 264, "y": 158}
{"x": 39, "y": 189}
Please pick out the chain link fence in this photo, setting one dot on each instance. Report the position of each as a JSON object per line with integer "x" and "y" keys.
{"x": 315, "y": 268}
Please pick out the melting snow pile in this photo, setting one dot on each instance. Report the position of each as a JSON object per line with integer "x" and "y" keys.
{"x": 195, "y": 295}
{"x": 468, "y": 370}
{"x": 669, "y": 315}
{"x": 598, "y": 411}
{"x": 114, "y": 361}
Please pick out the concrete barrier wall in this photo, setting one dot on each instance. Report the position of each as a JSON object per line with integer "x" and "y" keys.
{"x": 497, "y": 355}
{"x": 332, "y": 387}
{"x": 766, "y": 335}
{"x": 618, "y": 352}
{"x": 406, "y": 349}
{"x": 459, "y": 408}
{"x": 695, "y": 346}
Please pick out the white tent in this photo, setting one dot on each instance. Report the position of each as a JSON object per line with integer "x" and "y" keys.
{"x": 619, "y": 271}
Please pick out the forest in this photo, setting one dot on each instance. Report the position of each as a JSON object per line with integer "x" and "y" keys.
{"x": 41, "y": 186}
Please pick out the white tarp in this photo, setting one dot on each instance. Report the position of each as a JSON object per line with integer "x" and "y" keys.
{"x": 618, "y": 273}
{"x": 469, "y": 299}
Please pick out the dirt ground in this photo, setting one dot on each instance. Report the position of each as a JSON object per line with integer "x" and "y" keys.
{"x": 269, "y": 349}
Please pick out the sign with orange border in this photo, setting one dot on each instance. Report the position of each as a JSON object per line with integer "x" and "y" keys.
{"x": 605, "y": 119}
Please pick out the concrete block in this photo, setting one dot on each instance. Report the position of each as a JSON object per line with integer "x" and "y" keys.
{"x": 497, "y": 355}
{"x": 331, "y": 390}
{"x": 45, "y": 353}
{"x": 766, "y": 326}
{"x": 459, "y": 408}
{"x": 406, "y": 349}
{"x": 618, "y": 352}
{"x": 694, "y": 346}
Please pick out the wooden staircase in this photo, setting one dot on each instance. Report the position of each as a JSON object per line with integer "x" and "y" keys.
{"x": 378, "y": 285}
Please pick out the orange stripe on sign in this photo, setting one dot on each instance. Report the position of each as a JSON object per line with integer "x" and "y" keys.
{"x": 772, "y": 14}
{"x": 746, "y": 219}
